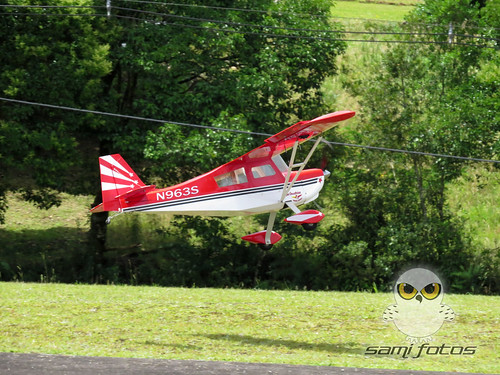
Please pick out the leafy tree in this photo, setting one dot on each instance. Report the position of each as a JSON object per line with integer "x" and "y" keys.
{"x": 58, "y": 60}
{"x": 222, "y": 72}
{"x": 431, "y": 97}
{"x": 186, "y": 62}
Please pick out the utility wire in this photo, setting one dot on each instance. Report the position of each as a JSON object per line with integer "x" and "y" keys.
{"x": 56, "y": 14}
{"x": 268, "y": 35}
{"x": 232, "y": 23}
{"x": 305, "y": 37}
{"x": 274, "y": 35}
{"x": 51, "y": 6}
{"x": 243, "y": 10}
{"x": 272, "y": 27}
{"x": 139, "y": 118}
{"x": 130, "y": 117}
{"x": 280, "y": 13}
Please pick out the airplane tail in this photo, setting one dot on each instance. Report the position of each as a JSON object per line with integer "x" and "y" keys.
{"x": 117, "y": 180}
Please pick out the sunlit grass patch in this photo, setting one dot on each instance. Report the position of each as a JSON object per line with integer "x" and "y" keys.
{"x": 372, "y": 10}
{"x": 294, "y": 327}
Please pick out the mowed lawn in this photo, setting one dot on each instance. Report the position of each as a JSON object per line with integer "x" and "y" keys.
{"x": 377, "y": 11}
{"x": 293, "y": 327}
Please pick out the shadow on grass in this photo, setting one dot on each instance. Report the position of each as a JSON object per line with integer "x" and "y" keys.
{"x": 54, "y": 254}
{"x": 179, "y": 347}
{"x": 344, "y": 348}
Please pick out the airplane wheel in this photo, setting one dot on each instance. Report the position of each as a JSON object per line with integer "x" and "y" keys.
{"x": 310, "y": 226}
{"x": 265, "y": 247}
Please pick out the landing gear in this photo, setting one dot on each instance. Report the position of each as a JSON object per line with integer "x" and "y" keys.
{"x": 309, "y": 226}
{"x": 309, "y": 219}
{"x": 259, "y": 238}
{"x": 265, "y": 247}
{"x": 108, "y": 220}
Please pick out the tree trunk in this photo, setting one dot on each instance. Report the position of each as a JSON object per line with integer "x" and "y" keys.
{"x": 97, "y": 240}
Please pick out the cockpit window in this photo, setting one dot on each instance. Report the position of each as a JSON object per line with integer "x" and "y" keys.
{"x": 238, "y": 176}
{"x": 260, "y": 152}
{"x": 280, "y": 163}
{"x": 263, "y": 171}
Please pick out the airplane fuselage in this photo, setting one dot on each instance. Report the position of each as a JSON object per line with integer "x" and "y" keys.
{"x": 194, "y": 197}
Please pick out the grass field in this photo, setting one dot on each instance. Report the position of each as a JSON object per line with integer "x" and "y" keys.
{"x": 294, "y": 327}
{"x": 384, "y": 10}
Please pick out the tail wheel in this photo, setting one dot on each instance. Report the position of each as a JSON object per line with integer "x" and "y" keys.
{"x": 308, "y": 226}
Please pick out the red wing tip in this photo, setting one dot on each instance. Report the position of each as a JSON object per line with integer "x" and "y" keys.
{"x": 333, "y": 117}
{"x": 260, "y": 237}
{"x": 300, "y": 126}
{"x": 306, "y": 217}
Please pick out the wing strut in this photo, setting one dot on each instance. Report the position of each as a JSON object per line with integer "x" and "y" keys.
{"x": 267, "y": 238}
{"x": 287, "y": 186}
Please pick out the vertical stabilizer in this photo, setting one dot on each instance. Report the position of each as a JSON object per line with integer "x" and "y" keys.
{"x": 117, "y": 178}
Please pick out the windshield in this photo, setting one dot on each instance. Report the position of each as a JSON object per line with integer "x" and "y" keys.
{"x": 280, "y": 163}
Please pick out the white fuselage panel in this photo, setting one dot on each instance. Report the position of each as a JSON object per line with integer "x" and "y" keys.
{"x": 237, "y": 202}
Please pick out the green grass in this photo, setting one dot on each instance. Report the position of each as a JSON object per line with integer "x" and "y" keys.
{"x": 72, "y": 213}
{"x": 293, "y": 327}
{"x": 376, "y": 11}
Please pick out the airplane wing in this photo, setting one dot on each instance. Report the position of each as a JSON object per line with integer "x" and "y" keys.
{"x": 304, "y": 130}
{"x": 287, "y": 139}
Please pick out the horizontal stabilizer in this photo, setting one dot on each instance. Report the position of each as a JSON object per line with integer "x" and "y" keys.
{"x": 306, "y": 217}
{"x": 98, "y": 208}
{"x": 136, "y": 193}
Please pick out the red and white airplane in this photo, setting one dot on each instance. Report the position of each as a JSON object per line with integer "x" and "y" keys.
{"x": 257, "y": 182}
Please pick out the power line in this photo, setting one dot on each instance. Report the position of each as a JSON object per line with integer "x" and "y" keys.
{"x": 130, "y": 117}
{"x": 240, "y": 24}
{"x": 268, "y": 35}
{"x": 51, "y": 6}
{"x": 272, "y": 35}
{"x": 282, "y": 13}
{"x": 305, "y": 37}
{"x": 55, "y": 14}
{"x": 243, "y": 10}
{"x": 208, "y": 127}
{"x": 272, "y": 27}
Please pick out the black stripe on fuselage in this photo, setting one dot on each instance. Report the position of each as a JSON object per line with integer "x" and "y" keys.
{"x": 227, "y": 194}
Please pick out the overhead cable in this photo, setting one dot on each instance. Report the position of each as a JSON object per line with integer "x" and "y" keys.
{"x": 281, "y": 13}
{"x": 273, "y": 27}
{"x": 208, "y": 127}
{"x": 305, "y": 37}
{"x": 270, "y": 27}
{"x": 244, "y": 10}
{"x": 240, "y": 24}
